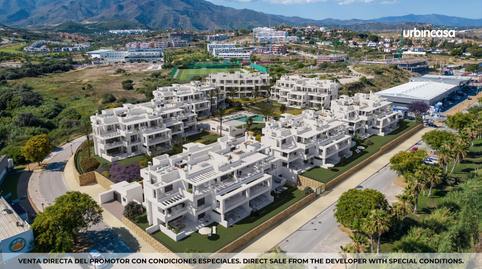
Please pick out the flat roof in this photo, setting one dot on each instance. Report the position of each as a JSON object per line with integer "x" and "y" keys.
{"x": 10, "y": 222}
{"x": 420, "y": 90}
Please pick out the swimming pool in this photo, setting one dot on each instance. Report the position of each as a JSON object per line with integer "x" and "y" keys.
{"x": 256, "y": 118}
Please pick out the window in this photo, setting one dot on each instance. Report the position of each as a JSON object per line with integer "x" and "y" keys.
{"x": 168, "y": 188}
{"x": 201, "y": 202}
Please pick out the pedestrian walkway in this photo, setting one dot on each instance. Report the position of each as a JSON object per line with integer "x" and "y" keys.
{"x": 271, "y": 239}
{"x": 108, "y": 218}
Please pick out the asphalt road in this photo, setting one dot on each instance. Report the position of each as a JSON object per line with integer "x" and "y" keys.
{"x": 46, "y": 185}
{"x": 322, "y": 233}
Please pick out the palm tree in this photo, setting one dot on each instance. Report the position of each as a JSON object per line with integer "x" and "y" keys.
{"x": 249, "y": 123}
{"x": 370, "y": 231}
{"x": 459, "y": 150}
{"x": 416, "y": 184}
{"x": 432, "y": 175}
{"x": 445, "y": 155}
{"x": 379, "y": 221}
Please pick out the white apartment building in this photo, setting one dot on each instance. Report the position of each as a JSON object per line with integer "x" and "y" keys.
{"x": 301, "y": 92}
{"x": 241, "y": 84}
{"x": 270, "y": 35}
{"x": 228, "y": 51}
{"x": 223, "y": 182}
{"x": 365, "y": 114}
{"x": 152, "y": 127}
{"x": 307, "y": 140}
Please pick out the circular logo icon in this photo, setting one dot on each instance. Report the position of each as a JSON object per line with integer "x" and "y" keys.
{"x": 17, "y": 244}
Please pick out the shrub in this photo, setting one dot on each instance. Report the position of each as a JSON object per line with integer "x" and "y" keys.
{"x": 141, "y": 219}
{"x": 132, "y": 210}
{"x": 308, "y": 190}
{"x": 89, "y": 164}
{"x": 127, "y": 173}
{"x": 108, "y": 98}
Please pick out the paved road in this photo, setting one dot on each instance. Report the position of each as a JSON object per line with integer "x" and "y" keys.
{"x": 47, "y": 184}
{"x": 322, "y": 234}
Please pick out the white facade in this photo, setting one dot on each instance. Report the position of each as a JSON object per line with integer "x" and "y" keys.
{"x": 241, "y": 84}
{"x": 365, "y": 114}
{"x": 152, "y": 127}
{"x": 300, "y": 92}
{"x": 123, "y": 192}
{"x": 270, "y": 35}
{"x": 307, "y": 140}
{"x": 228, "y": 51}
{"x": 223, "y": 182}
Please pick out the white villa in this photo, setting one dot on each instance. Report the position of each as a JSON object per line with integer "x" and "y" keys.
{"x": 365, "y": 114}
{"x": 307, "y": 140}
{"x": 151, "y": 127}
{"x": 301, "y": 92}
{"x": 222, "y": 182}
{"x": 241, "y": 84}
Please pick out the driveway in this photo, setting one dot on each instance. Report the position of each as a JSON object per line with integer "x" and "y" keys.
{"x": 322, "y": 233}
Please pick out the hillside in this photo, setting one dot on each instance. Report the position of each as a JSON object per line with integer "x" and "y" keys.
{"x": 186, "y": 14}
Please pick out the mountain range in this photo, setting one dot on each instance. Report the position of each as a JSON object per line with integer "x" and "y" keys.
{"x": 182, "y": 14}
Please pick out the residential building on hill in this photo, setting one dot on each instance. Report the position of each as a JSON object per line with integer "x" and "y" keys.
{"x": 307, "y": 140}
{"x": 152, "y": 127}
{"x": 223, "y": 182}
{"x": 241, "y": 84}
{"x": 366, "y": 114}
{"x": 301, "y": 92}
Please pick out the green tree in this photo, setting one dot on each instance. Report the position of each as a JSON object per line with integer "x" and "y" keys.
{"x": 431, "y": 174}
{"x": 282, "y": 108}
{"x": 377, "y": 222}
{"x": 57, "y": 228}
{"x": 355, "y": 205}
{"x": 437, "y": 138}
{"x": 406, "y": 162}
{"x": 37, "y": 148}
{"x": 128, "y": 84}
{"x": 249, "y": 123}
{"x": 459, "y": 121}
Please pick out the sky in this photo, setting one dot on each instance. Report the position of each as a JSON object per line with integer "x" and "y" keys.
{"x": 359, "y": 9}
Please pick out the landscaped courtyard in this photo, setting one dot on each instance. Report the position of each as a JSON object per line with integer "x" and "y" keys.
{"x": 371, "y": 144}
{"x": 202, "y": 244}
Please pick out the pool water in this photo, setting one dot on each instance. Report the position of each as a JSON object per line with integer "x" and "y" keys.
{"x": 256, "y": 118}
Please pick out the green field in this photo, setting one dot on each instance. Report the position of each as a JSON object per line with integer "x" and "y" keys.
{"x": 202, "y": 244}
{"x": 15, "y": 48}
{"x": 189, "y": 74}
{"x": 371, "y": 144}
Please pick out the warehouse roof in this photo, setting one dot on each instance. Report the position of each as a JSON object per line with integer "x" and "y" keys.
{"x": 419, "y": 90}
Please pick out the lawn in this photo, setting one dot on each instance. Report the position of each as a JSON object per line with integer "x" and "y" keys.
{"x": 273, "y": 107}
{"x": 472, "y": 163}
{"x": 371, "y": 144}
{"x": 189, "y": 74}
{"x": 8, "y": 188}
{"x": 201, "y": 244}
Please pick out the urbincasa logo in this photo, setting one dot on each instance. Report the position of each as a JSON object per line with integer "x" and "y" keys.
{"x": 428, "y": 33}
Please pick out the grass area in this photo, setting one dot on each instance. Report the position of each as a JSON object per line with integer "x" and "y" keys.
{"x": 472, "y": 163}
{"x": 371, "y": 144}
{"x": 189, "y": 74}
{"x": 14, "y": 48}
{"x": 8, "y": 188}
{"x": 273, "y": 107}
{"x": 201, "y": 244}
{"x": 71, "y": 88}
{"x": 203, "y": 137}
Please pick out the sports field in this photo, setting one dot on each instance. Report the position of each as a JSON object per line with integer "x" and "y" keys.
{"x": 188, "y": 74}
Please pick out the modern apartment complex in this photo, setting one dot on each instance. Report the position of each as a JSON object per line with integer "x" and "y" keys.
{"x": 223, "y": 182}
{"x": 365, "y": 114}
{"x": 270, "y": 35}
{"x": 151, "y": 127}
{"x": 241, "y": 84}
{"x": 307, "y": 140}
{"x": 301, "y": 92}
{"x": 228, "y": 51}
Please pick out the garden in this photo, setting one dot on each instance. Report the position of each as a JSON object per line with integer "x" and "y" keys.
{"x": 371, "y": 145}
{"x": 197, "y": 243}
